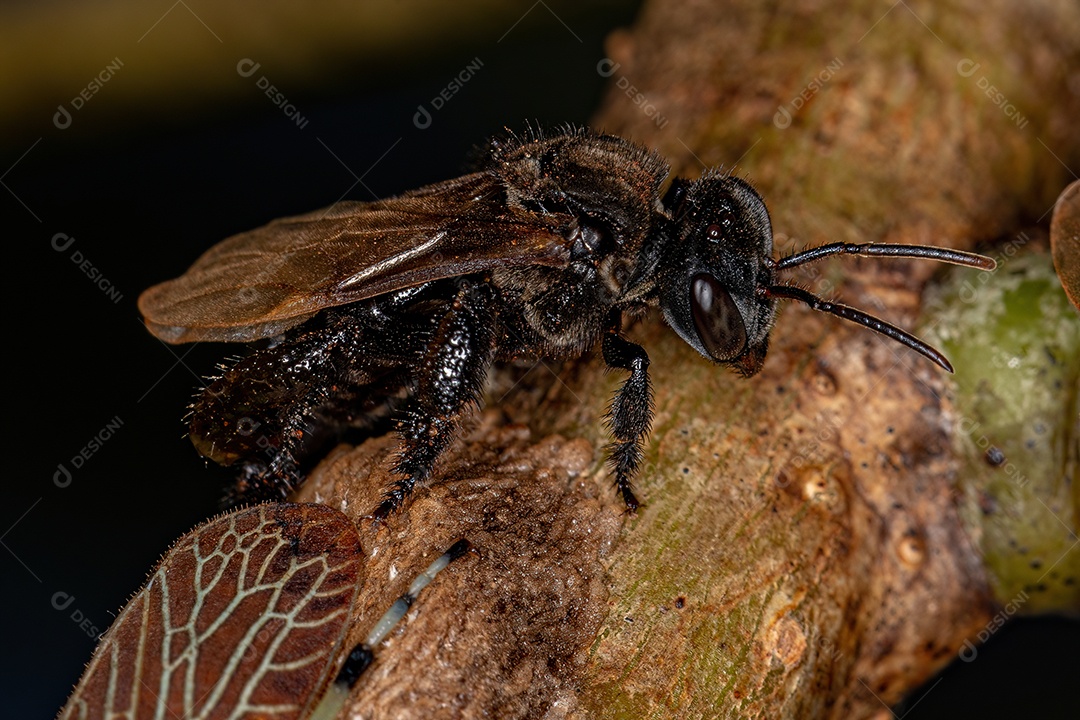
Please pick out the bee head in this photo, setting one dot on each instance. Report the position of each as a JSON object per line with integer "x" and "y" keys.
{"x": 720, "y": 257}
{"x": 719, "y": 281}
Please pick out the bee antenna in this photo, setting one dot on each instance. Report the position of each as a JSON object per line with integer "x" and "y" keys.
{"x": 957, "y": 257}
{"x": 790, "y": 292}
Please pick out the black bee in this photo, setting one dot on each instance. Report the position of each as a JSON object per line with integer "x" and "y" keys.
{"x": 402, "y": 305}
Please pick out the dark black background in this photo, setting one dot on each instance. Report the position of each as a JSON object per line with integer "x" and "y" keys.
{"x": 143, "y": 192}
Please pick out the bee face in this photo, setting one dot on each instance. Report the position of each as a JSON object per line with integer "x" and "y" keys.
{"x": 712, "y": 295}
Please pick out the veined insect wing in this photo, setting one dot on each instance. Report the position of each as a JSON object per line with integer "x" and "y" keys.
{"x": 245, "y": 616}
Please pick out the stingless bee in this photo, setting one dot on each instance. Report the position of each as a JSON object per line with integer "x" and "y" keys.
{"x": 405, "y": 303}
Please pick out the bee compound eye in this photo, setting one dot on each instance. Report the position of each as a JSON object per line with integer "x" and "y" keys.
{"x": 716, "y": 317}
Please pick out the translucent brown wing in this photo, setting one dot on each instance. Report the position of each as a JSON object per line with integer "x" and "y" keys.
{"x": 259, "y": 283}
{"x": 244, "y": 618}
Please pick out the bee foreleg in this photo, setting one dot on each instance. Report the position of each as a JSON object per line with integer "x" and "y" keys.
{"x": 449, "y": 384}
{"x": 631, "y": 412}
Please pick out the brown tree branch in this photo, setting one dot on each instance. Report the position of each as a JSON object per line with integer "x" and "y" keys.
{"x": 800, "y": 551}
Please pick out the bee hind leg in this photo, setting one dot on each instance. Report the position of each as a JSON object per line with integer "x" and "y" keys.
{"x": 450, "y": 381}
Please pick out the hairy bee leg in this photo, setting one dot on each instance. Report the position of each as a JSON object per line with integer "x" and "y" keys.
{"x": 450, "y": 381}
{"x": 268, "y": 407}
{"x": 283, "y": 473}
{"x": 244, "y": 414}
{"x": 631, "y": 413}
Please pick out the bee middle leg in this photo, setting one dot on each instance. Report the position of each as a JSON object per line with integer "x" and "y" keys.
{"x": 449, "y": 384}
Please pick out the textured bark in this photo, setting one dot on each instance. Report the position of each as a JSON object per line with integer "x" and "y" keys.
{"x": 800, "y": 551}
{"x": 501, "y": 634}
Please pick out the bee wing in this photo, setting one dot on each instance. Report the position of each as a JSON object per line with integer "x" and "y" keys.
{"x": 246, "y": 612}
{"x": 259, "y": 283}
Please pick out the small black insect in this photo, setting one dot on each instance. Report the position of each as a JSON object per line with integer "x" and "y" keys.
{"x": 402, "y": 305}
